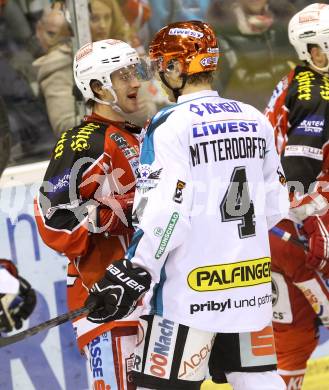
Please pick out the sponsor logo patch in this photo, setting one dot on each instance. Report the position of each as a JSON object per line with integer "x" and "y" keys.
{"x": 59, "y": 148}
{"x": 60, "y": 182}
{"x": 79, "y": 141}
{"x": 84, "y": 51}
{"x": 178, "y": 195}
{"x": 303, "y": 151}
{"x": 214, "y": 108}
{"x": 166, "y": 235}
{"x": 232, "y": 275}
{"x": 194, "y": 360}
{"x": 310, "y": 16}
{"x": 186, "y": 31}
{"x": 207, "y": 61}
{"x": 212, "y": 50}
{"x": 161, "y": 347}
{"x": 310, "y": 126}
{"x": 158, "y": 231}
{"x": 119, "y": 140}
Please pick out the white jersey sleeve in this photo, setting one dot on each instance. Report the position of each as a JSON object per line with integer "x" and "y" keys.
{"x": 277, "y": 200}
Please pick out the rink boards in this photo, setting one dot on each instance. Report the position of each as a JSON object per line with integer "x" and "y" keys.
{"x": 51, "y": 360}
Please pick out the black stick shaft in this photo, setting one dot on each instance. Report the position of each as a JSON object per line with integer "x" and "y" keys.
{"x": 61, "y": 319}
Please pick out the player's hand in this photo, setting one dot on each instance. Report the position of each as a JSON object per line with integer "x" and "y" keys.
{"x": 317, "y": 231}
{"x": 25, "y": 303}
{"x": 115, "y": 296}
{"x": 14, "y": 308}
{"x": 115, "y": 214}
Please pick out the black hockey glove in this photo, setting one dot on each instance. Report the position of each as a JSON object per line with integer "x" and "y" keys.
{"x": 27, "y": 301}
{"x": 16, "y": 308}
{"x": 115, "y": 296}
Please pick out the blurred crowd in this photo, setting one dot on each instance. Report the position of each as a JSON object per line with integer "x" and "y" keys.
{"x": 37, "y": 44}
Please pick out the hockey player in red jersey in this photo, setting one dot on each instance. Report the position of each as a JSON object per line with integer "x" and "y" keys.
{"x": 17, "y": 298}
{"x": 298, "y": 112}
{"x": 84, "y": 205}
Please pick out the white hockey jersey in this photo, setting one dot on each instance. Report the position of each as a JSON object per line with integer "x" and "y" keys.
{"x": 209, "y": 187}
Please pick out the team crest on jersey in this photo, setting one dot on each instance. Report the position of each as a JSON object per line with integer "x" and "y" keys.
{"x": 146, "y": 179}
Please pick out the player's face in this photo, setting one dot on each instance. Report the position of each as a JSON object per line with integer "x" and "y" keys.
{"x": 253, "y": 6}
{"x": 322, "y": 60}
{"x": 319, "y": 58}
{"x": 126, "y": 84}
{"x": 100, "y": 20}
{"x": 172, "y": 74}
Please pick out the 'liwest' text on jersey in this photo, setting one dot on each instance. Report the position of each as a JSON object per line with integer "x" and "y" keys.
{"x": 223, "y": 127}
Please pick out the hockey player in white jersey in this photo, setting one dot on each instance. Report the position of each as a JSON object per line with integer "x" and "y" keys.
{"x": 210, "y": 187}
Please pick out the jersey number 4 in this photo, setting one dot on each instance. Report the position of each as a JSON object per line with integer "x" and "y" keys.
{"x": 237, "y": 205}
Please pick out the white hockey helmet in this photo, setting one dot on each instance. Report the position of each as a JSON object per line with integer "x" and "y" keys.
{"x": 310, "y": 26}
{"x": 97, "y": 61}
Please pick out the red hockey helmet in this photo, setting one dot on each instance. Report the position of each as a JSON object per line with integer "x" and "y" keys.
{"x": 192, "y": 43}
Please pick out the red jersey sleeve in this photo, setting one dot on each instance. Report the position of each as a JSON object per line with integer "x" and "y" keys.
{"x": 65, "y": 196}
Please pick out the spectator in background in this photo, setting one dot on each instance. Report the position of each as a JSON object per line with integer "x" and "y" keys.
{"x": 17, "y": 40}
{"x": 54, "y": 68}
{"x": 107, "y": 21}
{"x": 252, "y": 36}
{"x": 30, "y": 131}
{"x": 33, "y": 10}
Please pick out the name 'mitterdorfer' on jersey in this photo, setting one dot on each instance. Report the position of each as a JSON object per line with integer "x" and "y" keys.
{"x": 231, "y": 147}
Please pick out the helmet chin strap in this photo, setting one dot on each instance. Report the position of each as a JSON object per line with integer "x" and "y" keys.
{"x": 325, "y": 69}
{"x": 108, "y": 102}
{"x": 176, "y": 91}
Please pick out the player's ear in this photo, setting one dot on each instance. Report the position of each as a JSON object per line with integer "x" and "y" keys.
{"x": 96, "y": 86}
{"x": 174, "y": 68}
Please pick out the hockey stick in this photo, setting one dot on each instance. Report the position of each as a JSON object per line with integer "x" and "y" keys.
{"x": 71, "y": 315}
{"x": 285, "y": 236}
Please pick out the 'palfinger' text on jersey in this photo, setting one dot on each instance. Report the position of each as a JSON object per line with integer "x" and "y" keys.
{"x": 232, "y": 275}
